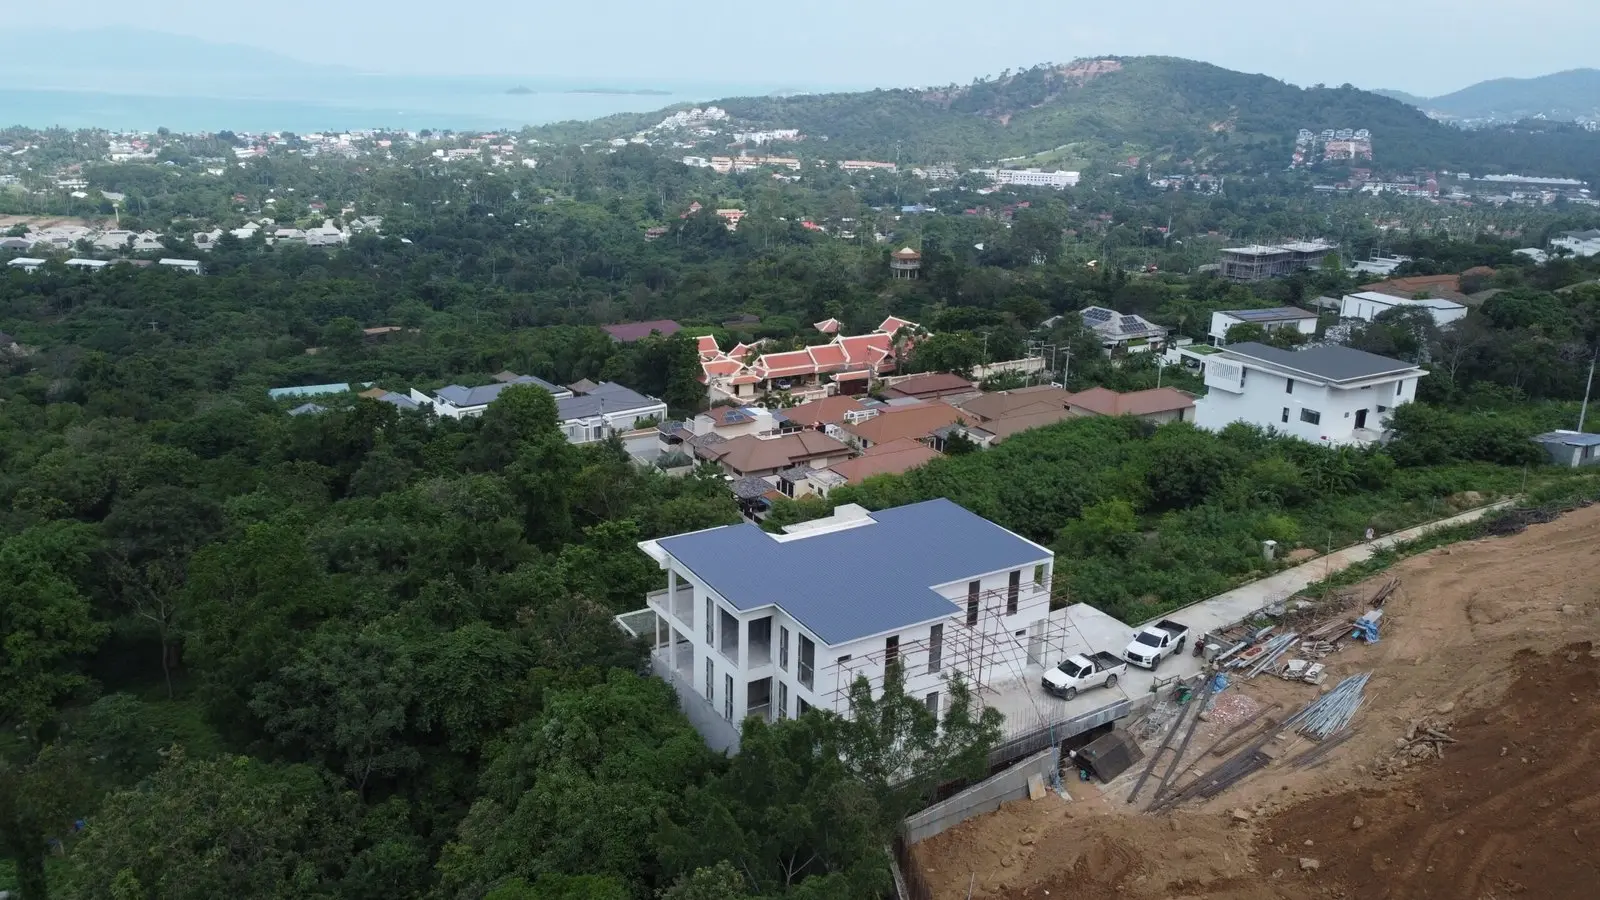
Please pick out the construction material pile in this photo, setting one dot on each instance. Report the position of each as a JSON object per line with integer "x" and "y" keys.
{"x": 1332, "y": 711}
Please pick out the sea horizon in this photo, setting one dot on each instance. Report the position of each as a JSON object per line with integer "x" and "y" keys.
{"x": 402, "y": 103}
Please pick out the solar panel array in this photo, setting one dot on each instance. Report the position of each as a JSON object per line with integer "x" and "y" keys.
{"x": 1096, "y": 314}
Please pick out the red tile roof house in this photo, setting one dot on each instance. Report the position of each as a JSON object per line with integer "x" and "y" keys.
{"x": 1157, "y": 405}
{"x": 846, "y": 365}
{"x": 933, "y": 386}
{"x": 629, "y": 332}
{"x": 751, "y": 455}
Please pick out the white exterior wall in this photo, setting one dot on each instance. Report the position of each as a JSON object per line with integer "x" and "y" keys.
{"x": 1356, "y": 306}
{"x": 1263, "y": 396}
{"x": 1007, "y": 654}
{"x": 598, "y": 428}
{"x": 445, "y": 408}
{"x": 1221, "y": 322}
{"x": 1578, "y": 247}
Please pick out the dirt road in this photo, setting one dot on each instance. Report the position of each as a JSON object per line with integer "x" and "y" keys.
{"x": 1493, "y": 638}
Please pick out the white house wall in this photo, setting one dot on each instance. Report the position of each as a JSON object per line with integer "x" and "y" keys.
{"x": 1264, "y": 399}
{"x": 1008, "y": 641}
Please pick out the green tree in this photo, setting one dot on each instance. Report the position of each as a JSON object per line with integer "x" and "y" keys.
{"x": 224, "y": 827}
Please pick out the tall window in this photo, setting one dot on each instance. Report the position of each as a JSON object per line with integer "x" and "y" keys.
{"x": 1288, "y": 385}
{"x": 1286, "y": 415}
{"x": 783, "y": 700}
{"x": 932, "y": 702}
{"x": 709, "y": 682}
{"x": 710, "y": 634}
{"x": 1038, "y": 574}
{"x": 808, "y": 662}
{"x": 727, "y": 697}
{"x": 891, "y": 649}
{"x": 783, "y": 648}
{"x": 801, "y": 707}
{"x": 1013, "y": 590}
{"x": 972, "y": 603}
{"x": 1310, "y": 417}
{"x": 935, "y": 647}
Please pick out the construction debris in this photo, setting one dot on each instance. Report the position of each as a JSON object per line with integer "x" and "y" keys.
{"x": 1301, "y": 670}
{"x": 1425, "y": 739}
{"x": 1333, "y": 710}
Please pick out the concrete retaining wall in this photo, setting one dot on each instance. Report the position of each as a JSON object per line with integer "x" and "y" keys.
{"x": 986, "y": 796}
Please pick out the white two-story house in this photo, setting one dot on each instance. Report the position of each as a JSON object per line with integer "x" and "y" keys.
{"x": 772, "y": 625}
{"x": 1331, "y": 395}
{"x": 1270, "y": 320}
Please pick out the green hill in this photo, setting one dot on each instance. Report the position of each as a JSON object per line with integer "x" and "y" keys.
{"x": 1565, "y": 96}
{"x": 1163, "y": 109}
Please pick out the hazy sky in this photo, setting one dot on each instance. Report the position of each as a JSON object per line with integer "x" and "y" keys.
{"x": 1424, "y": 46}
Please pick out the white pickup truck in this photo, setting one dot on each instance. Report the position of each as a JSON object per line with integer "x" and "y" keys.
{"x": 1079, "y": 673}
{"x": 1156, "y": 642}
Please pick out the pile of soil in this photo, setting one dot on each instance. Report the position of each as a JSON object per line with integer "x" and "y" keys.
{"x": 1511, "y": 810}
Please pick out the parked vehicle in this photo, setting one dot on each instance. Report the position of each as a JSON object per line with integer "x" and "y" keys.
{"x": 1080, "y": 673}
{"x": 1157, "y": 642}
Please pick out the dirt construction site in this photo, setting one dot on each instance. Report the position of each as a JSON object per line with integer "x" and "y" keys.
{"x": 1470, "y": 769}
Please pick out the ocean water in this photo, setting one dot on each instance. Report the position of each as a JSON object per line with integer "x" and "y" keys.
{"x": 400, "y": 102}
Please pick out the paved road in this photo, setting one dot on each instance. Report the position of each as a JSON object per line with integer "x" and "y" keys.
{"x": 1088, "y": 629}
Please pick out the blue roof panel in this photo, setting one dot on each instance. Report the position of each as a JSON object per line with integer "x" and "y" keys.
{"x": 855, "y": 582}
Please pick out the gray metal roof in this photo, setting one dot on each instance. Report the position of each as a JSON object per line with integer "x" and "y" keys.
{"x": 400, "y": 400}
{"x": 487, "y": 394}
{"x": 1276, "y": 314}
{"x": 860, "y": 581}
{"x": 1570, "y": 438}
{"x": 607, "y": 397}
{"x": 1328, "y": 362}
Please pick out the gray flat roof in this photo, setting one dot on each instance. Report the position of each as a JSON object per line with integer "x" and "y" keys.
{"x": 1570, "y": 438}
{"x": 1328, "y": 362}
{"x": 607, "y": 397}
{"x": 1275, "y": 314}
{"x": 488, "y": 393}
{"x": 859, "y": 581}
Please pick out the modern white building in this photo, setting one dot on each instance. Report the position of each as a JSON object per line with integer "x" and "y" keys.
{"x": 457, "y": 402}
{"x": 1379, "y": 265}
{"x": 1332, "y": 395}
{"x": 1579, "y": 243}
{"x": 1037, "y": 178}
{"x": 192, "y": 266}
{"x": 25, "y": 263}
{"x": 769, "y": 625}
{"x": 600, "y": 411}
{"x": 1367, "y": 305}
{"x": 604, "y": 410}
{"x": 1270, "y": 320}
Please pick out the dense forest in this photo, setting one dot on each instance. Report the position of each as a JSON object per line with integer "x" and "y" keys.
{"x": 1162, "y": 107}
{"x": 370, "y": 653}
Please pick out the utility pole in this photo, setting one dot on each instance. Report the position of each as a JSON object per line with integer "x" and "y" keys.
{"x": 1583, "y": 412}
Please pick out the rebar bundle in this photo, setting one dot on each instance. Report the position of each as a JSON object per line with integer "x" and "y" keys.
{"x": 1333, "y": 710}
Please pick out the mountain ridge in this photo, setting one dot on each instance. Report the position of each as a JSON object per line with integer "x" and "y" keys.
{"x": 1567, "y": 95}
{"x": 1166, "y": 111}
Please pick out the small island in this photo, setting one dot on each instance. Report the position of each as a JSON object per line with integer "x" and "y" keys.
{"x": 521, "y": 90}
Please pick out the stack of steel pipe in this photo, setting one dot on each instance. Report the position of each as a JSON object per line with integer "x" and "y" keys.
{"x": 1333, "y": 710}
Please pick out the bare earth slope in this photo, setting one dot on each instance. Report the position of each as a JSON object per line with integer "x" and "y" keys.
{"x": 1494, "y": 639}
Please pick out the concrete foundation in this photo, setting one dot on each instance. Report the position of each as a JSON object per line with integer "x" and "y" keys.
{"x": 983, "y": 797}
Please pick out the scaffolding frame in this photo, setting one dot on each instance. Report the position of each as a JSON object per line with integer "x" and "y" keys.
{"x": 982, "y": 655}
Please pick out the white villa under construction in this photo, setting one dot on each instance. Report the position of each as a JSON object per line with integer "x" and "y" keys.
{"x": 769, "y": 625}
